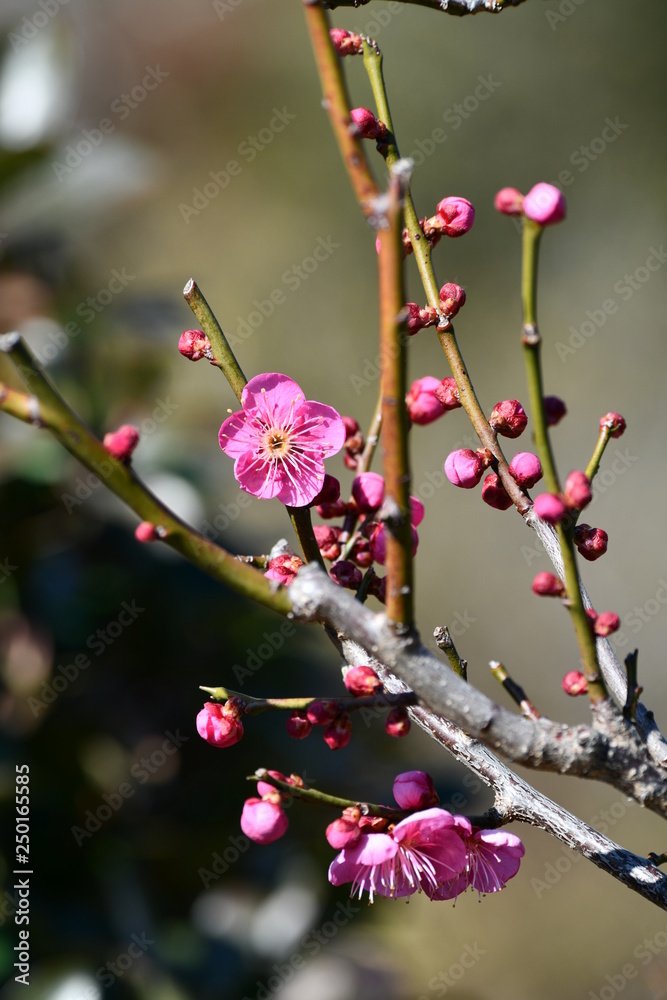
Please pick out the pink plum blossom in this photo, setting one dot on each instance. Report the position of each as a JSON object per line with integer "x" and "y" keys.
{"x": 423, "y": 851}
{"x": 493, "y": 857}
{"x": 220, "y": 725}
{"x": 195, "y": 345}
{"x": 544, "y": 204}
{"x": 574, "y": 683}
{"x": 417, "y": 511}
{"x": 591, "y": 542}
{"x": 615, "y": 422}
{"x": 283, "y": 568}
{"x": 121, "y": 443}
{"x": 279, "y": 440}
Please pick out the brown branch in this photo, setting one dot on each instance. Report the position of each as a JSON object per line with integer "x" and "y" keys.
{"x": 459, "y": 8}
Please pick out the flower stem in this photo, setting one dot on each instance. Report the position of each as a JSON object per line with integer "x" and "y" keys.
{"x": 596, "y": 458}
{"x": 46, "y": 408}
{"x": 532, "y": 342}
{"x": 322, "y": 798}
{"x": 254, "y": 706}
{"x": 222, "y": 352}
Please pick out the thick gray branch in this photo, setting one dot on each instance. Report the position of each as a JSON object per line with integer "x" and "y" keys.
{"x": 611, "y": 752}
{"x": 457, "y": 7}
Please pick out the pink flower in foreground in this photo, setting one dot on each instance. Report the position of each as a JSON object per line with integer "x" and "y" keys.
{"x": 219, "y": 725}
{"x": 525, "y": 469}
{"x": 544, "y": 204}
{"x": 263, "y": 820}
{"x": 493, "y": 857}
{"x": 457, "y": 215}
{"x": 423, "y": 851}
{"x": 279, "y": 440}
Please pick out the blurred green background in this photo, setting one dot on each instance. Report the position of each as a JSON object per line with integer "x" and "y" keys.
{"x": 102, "y": 237}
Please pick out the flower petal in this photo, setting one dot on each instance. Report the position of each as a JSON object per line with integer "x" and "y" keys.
{"x": 271, "y": 396}
{"x": 238, "y": 435}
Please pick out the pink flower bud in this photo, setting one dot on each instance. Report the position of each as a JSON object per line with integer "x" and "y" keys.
{"x": 146, "y": 532}
{"x": 615, "y": 422}
{"x": 397, "y": 723}
{"x": 361, "y": 553}
{"x": 547, "y": 585}
{"x": 298, "y": 725}
{"x": 337, "y": 734}
{"x": 508, "y": 418}
{"x": 346, "y": 43}
{"x": 195, "y": 345}
{"x": 366, "y": 124}
{"x": 525, "y": 469}
{"x": 494, "y": 493}
{"x": 321, "y": 713}
{"x": 554, "y": 410}
{"x": 416, "y": 511}
{"x": 606, "y": 623}
{"x": 379, "y": 543}
{"x": 457, "y": 215}
{"x": 577, "y": 493}
{"x": 414, "y": 790}
{"x": 329, "y": 493}
{"x": 452, "y": 298}
{"x": 345, "y": 574}
{"x": 263, "y": 820}
{"x": 464, "y": 468}
{"x": 550, "y": 508}
{"x": 218, "y": 725}
{"x": 591, "y": 542}
{"x": 362, "y": 681}
{"x": 351, "y": 427}
{"x": 574, "y": 683}
{"x": 327, "y": 540}
{"x": 121, "y": 443}
{"x": 544, "y": 204}
{"x": 447, "y": 394}
{"x": 508, "y": 201}
{"x": 368, "y": 491}
{"x": 284, "y": 568}
{"x": 330, "y": 510}
{"x": 344, "y": 832}
{"x": 264, "y": 788}
{"x": 418, "y": 318}
{"x": 422, "y": 404}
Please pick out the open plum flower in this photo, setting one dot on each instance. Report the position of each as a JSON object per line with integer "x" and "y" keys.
{"x": 493, "y": 857}
{"x": 279, "y": 440}
{"x": 422, "y": 852}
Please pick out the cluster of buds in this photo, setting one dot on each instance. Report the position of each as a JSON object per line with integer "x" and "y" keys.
{"x": 452, "y": 298}
{"x": 454, "y": 216}
{"x": 346, "y": 43}
{"x": 556, "y": 508}
{"x": 354, "y": 443}
{"x": 544, "y": 204}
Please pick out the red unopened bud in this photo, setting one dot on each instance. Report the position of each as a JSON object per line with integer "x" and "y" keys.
{"x": 284, "y": 568}
{"x": 574, "y": 683}
{"x": 547, "y": 585}
{"x": 397, "y": 723}
{"x": 508, "y": 201}
{"x": 591, "y": 542}
{"x": 345, "y": 831}
{"x": 195, "y": 345}
{"x": 554, "y": 410}
{"x": 219, "y": 725}
{"x": 544, "y": 204}
{"x": 366, "y": 124}
{"x": 577, "y": 493}
{"x": 146, "y": 532}
{"x": 615, "y": 422}
{"x": 351, "y": 427}
{"x": 345, "y": 574}
{"x": 452, "y": 298}
{"x": 525, "y": 469}
{"x": 362, "y": 681}
{"x": 329, "y": 493}
{"x": 494, "y": 493}
{"x": 330, "y": 510}
{"x": 550, "y": 508}
{"x": 264, "y": 788}
{"x": 327, "y": 540}
{"x": 508, "y": 418}
{"x": 298, "y": 725}
{"x": 337, "y": 734}
{"x": 263, "y": 820}
{"x": 464, "y": 468}
{"x": 346, "y": 43}
{"x": 121, "y": 443}
{"x": 361, "y": 553}
{"x": 606, "y": 623}
{"x": 447, "y": 394}
{"x": 368, "y": 491}
{"x": 321, "y": 713}
{"x": 414, "y": 790}
{"x": 423, "y": 406}
{"x": 418, "y": 318}
{"x": 457, "y": 215}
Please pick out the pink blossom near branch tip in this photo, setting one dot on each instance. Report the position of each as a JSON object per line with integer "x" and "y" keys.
{"x": 544, "y": 204}
{"x": 279, "y": 440}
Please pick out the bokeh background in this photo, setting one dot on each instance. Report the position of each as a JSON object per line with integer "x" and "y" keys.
{"x": 98, "y": 242}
